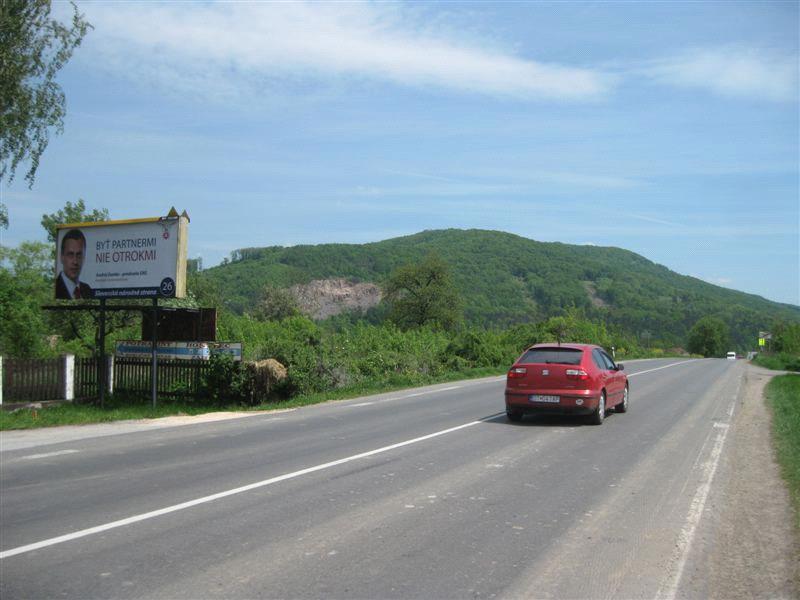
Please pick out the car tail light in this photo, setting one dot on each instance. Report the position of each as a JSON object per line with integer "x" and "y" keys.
{"x": 517, "y": 372}
{"x": 577, "y": 374}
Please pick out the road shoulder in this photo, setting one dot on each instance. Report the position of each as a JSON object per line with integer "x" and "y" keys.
{"x": 755, "y": 550}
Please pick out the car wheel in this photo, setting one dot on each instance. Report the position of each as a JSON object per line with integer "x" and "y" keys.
{"x": 596, "y": 418}
{"x": 514, "y": 415}
{"x": 623, "y": 406}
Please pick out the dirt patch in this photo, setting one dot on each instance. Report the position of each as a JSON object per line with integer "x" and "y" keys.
{"x": 758, "y": 551}
{"x": 596, "y": 300}
{"x": 325, "y": 298}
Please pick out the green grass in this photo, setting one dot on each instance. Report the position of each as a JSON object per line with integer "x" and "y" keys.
{"x": 122, "y": 408}
{"x": 778, "y": 362}
{"x": 116, "y": 409}
{"x": 783, "y": 397}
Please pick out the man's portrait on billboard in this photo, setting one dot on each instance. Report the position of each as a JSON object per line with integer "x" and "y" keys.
{"x": 71, "y": 256}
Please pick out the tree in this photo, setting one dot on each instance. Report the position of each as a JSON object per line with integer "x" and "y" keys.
{"x": 33, "y": 49}
{"x": 786, "y": 337}
{"x": 71, "y": 213}
{"x": 23, "y": 331}
{"x": 558, "y": 327}
{"x": 276, "y": 304}
{"x": 709, "y": 336}
{"x": 25, "y": 284}
{"x": 30, "y": 262}
{"x": 423, "y": 294}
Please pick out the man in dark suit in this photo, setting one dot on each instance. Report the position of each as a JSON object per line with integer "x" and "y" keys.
{"x": 73, "y": 251}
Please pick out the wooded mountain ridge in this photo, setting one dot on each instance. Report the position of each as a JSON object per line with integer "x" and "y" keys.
{"x": 505, "y": 279}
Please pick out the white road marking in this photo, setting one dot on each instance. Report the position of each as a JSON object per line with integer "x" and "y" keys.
{"x": 659, "y": 368}
{"x": 47, "y": 454}
{"x": 245, "y": 488}
{"x": 414, "y": 395}
{"x": 669, "y": 588}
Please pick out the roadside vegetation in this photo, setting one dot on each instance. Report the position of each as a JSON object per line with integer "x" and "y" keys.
{"x": 784, "y": 350}
{"x": 326, "y": 362}
{"x": 783, "y": 397}
{"x": 782, "y": 361}
{"x": 127, "y": 407}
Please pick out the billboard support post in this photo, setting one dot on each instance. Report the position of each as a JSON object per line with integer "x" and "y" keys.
{"x": 101, "y": 359}
{"x": 154, "y": 358}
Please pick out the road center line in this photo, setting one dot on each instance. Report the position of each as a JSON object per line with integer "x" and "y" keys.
{"x": 659, "y": 368}
{"x": 47, "y": 454}
{"x": 414, "y": 395}
{"x": 239, "y": 490}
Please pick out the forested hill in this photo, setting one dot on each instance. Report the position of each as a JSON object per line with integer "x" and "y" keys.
{"x": 505, "y": 278}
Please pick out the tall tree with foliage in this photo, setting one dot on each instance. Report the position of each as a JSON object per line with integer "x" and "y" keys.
{"x": 709, "y": 337}
{"x": 276, "y": 304}
{"x": 71, "y": 213}
{"x": 423, "y": 294}
{"x": 786, "y": 337}
{"x": 33, "y": 49}
{"x": 26, "y": 275}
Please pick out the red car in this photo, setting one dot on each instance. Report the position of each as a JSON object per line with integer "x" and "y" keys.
{"x": 578, "y": 379}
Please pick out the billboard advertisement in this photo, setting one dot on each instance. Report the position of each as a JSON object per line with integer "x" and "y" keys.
{"x": 138, "y": 258}
{"x": 179, "y": 350}
{"x": 173, "y": 350}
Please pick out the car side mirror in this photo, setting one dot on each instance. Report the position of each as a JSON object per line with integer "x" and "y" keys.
{"x": 620, "y": 367}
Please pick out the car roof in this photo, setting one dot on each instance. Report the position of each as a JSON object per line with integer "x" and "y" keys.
{"x": 563, "y": 345}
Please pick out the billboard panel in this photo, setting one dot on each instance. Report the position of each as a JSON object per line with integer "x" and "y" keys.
{"x": 182, "y": 325}
{"x": 141, "y": 258}
{"x": 181, "y": 350}
{"x": 173, "y": 350}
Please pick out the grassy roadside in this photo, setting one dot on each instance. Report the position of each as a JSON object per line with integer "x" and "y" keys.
{"x": 783, "y": 398}
{"x": 128, "y": 408}
{"x": 778, "y": 362}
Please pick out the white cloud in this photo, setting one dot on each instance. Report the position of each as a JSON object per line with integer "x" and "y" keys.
{"x": 731, "y": 71}
{"x": 654, "y": 220}
{"x": 213, "y": 49}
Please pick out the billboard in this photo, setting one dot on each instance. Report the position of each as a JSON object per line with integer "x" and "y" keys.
{"x": 137, "y": 258}
{"x": 173, "y": 350}
{"x": 179, "y": 350}
{"x": 181, "y": 325}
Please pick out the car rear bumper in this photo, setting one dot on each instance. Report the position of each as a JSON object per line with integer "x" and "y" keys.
{"x": 576, "y": 402}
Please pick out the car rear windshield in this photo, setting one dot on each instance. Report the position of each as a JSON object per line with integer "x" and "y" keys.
{"x": 563, "y": 356}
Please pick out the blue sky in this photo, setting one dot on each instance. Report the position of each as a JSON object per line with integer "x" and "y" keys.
{"x": 666, "y": 128}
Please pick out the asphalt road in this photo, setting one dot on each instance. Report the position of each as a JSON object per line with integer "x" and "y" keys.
{"x": 426, "y": 493}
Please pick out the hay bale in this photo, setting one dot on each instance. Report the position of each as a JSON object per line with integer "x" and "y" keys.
{"x": 264, "y": 375}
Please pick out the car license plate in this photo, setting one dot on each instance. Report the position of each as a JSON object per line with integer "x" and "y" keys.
{"x": 539, "y": 398}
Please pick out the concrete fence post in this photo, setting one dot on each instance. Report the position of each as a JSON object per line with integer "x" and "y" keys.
{"x": 110, "y": 373}
{"x": 68, "y": 393}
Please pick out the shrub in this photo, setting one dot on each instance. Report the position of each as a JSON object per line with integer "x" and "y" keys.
{"x": 778, "y": 362}
{"x": 226, "y": 381}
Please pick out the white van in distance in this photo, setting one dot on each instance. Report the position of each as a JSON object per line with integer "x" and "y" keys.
{"x": 731, "y": 355}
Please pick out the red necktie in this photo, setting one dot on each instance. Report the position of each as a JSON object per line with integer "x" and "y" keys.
{"x": 77, "y": 292}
